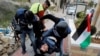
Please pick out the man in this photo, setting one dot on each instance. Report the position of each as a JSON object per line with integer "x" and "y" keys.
{"x": 25, "y": 18}
{"x": 39, "y": 9}
{"x": 52, "y": 39}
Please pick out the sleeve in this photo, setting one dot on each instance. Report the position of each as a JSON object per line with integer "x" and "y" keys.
{"x": 51, "y": 17}
{"x": 47, "y": 33}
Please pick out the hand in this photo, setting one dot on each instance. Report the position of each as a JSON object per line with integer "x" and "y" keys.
{"x": 45, "y": 29}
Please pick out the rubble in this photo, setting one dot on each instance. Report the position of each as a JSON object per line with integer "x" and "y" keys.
{"x": 5, "y": 54}
{"x": 7, "y": 45}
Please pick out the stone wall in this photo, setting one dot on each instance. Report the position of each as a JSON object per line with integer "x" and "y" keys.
{"x": 7, "y": 45}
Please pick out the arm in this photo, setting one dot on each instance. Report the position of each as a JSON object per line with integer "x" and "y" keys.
{"x": 51, "y": 17}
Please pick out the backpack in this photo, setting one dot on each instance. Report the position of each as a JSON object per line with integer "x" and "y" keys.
{"x": 16, "y": 26}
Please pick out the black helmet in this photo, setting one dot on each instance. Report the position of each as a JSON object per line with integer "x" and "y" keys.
{"x": 62, "y": 28}
{"x": 29, "y": 15}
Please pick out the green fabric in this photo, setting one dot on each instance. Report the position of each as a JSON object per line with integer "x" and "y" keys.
{"x": 34, "y": 8}
{"x": 86, "y": 42}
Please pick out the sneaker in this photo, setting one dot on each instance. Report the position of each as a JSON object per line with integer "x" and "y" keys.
{"x": 39, "y": 55}
{"x": 65, "y": 54}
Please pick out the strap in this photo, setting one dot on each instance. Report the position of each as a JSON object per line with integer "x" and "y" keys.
{"x": 16, "y": 21}
{"x": 38, "y": 9}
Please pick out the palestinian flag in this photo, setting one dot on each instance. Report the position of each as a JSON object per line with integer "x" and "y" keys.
{"x": 82, "y": 35}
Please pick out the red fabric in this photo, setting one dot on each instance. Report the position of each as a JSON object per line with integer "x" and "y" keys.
{"x": 41, "y": 14}
{"x": 88, "y": 22}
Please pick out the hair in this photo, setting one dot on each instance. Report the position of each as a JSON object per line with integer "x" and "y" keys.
{"x": 29, "y": 15}
{"x": 47, "y": 2}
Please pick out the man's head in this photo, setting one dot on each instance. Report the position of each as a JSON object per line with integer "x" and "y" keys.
{"x": 46, "y": 4}
{"x": 29, "y": 15}
{"x": 44, "y": 47}
{"x": 48, "y": 43}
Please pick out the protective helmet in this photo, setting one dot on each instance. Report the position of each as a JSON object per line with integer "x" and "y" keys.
{"x": 62, "y": 28}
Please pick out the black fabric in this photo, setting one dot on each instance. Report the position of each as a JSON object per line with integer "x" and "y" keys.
{"x": 62, "y": 29}
{"x": 38, "y": 9}
{"x": 50, "y": 17}
{"x": 39, "y": 55}
{"x": 37, "y": 29}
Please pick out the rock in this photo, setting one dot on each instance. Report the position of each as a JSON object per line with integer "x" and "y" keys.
{"x": 4, "y": 50}
{"x": 13, "y": 46}
{"x": 10, "y": 50}
{"x": 1, "y": 42}
{"x": 1, "y": 35}
{"x": 12, "y": 41}
{"x": 5, "y": 54}
{"x": 5, "y": 40}
{"x": 16, "y": 46}
{"x": 6, "y": 45}
{"x": 1, "y": 48}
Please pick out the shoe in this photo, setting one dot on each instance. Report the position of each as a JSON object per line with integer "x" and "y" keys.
{"x": 65, "y": 54}
{"x": 39, "y": 55}
{"x": 23, "y": 52}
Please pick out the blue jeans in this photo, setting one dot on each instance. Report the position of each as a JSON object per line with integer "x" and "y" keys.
{"x": 31, "y": 36}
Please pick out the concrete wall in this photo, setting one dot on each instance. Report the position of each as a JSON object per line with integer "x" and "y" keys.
{"x": 98, "y": 24}
{"x": 90, "y": 51}
{"x": 96, "y": 17}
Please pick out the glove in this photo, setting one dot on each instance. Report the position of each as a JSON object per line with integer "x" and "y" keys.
{"x": 30, "y": 26}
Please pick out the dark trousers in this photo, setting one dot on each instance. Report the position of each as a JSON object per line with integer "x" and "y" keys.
{"x": 31, "y": 36}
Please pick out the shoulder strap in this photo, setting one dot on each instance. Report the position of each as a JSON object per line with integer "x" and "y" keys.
{"x": 38, "y": 9}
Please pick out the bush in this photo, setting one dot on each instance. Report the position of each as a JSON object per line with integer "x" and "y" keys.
{"x": 78, "y": 22}
{"x": 80, "y": 14}
{"x": 91, "y": 4}
{"x": 7, "y": 12}
{"x": 93, "y": 30}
